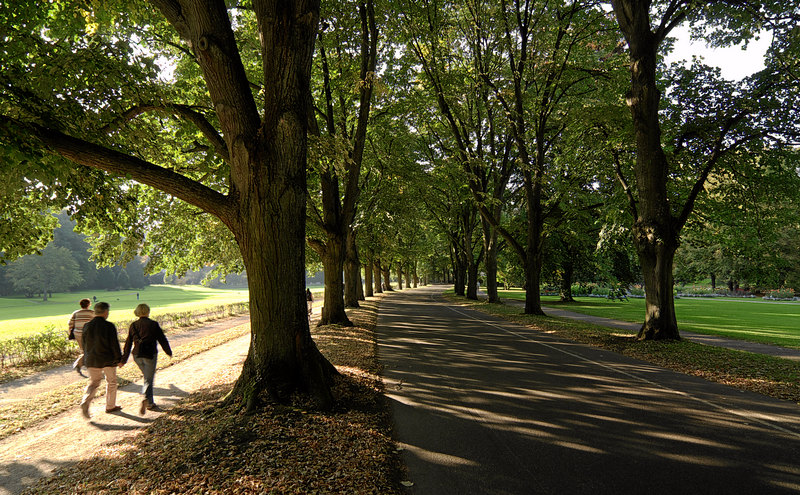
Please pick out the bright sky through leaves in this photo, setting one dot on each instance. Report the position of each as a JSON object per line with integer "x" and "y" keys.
{"x": 734, "y": 62}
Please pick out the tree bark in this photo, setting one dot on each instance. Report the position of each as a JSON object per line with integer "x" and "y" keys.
{"x": 387, "y": 282}
{"x": 368, "y": 278}
{"x": 407, "y": 274}
{"x": 657, "y": 260}
{"x": 352, "y": 271}
{"x": 376, "y": 275}
{"x": 472, "y": 280}
{"x": 399, "y": 276}
{"x": 656, "y": 231}
{"x": 490, "y": 262}
{"x": 566, "y": 281}
{"x": 459, "y": 276}
{"x": 333, "y": 309}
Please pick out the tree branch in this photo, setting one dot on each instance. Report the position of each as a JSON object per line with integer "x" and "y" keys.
{"x": 112, "y": 161}
{"x": 625, "y": 186}
{"x": 185, "y": 111}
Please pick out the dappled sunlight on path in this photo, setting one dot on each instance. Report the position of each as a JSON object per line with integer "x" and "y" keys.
{"x": 484, "y": 406}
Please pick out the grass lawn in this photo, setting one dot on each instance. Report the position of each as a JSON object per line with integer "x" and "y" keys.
{"x": 746, "y": 319}
{"x": 20, "y": 316}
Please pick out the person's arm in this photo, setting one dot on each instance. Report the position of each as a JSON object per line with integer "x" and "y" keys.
{"x": 115, "y": 343}
{"x": 71, "y": 327}
{"x": 162, "y": 339}
{"x": 128, "y": 343}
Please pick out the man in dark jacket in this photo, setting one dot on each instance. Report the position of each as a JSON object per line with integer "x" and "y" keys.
{"x": 102, "y": 356}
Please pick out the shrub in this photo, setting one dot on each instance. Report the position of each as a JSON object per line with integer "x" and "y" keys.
{"x": 782, "y": 293}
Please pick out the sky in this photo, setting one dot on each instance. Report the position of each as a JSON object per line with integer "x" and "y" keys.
{"x": 734, "y": 63}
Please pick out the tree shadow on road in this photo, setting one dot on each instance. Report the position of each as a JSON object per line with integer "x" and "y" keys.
{"x": 16, "y": 476}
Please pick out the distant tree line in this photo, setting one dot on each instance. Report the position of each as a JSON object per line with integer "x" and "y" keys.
{"x": 65, "y": 265}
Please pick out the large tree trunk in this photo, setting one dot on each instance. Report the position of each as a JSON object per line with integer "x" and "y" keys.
{"x": 459, "y": 278}
{"x": 533, "y": 252}
{"x": 472, "y": 279}
{"x": 490, "y": 263}
{"x": 408, "y": 276}
{"x": 533, "y": 299}
{"x": 399, "y": 276}
{"x": 656, "y": 254}
{"x": 376, "y": 275}
{"x": 368, "y": 279}
{"x": 655, "y": 230}
{"x": 352, "y": 271}
{"x": 416, "y": 277}
{"x": 566, "y": 281}
{"x": 387, "y": 279}
{"x": 282, "y": 356}
{"x": 333, "y": 310}
{"x": 269, "y": 220}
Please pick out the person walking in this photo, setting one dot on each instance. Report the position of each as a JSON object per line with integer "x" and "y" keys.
{"x": 309, "y": 302}
{"x": 143, "y": 335}
{"x": 78, "y": 319}
{"x": 102, "y": 356}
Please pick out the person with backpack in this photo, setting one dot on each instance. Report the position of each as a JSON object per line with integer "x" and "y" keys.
{"x": 143, "y": 335}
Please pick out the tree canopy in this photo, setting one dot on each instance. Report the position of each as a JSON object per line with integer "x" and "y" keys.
{"x": 448, "y": 141}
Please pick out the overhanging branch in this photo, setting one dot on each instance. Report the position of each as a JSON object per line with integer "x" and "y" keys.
{"x": 118, "y": 163}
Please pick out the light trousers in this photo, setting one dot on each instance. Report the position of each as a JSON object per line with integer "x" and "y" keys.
{"x": 95, "y": 377}
{"x": 79, "y": 339}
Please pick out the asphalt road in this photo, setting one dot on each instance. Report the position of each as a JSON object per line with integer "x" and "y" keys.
{"x": 484, "y": 406}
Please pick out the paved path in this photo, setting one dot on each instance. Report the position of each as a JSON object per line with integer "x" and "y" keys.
{"x": 485, "y": 406}
{"x": 715, "y": 340}
{"x": 32, "y": 385}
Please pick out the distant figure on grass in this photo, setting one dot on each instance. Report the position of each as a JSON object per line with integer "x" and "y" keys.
{"x": 143, "y": 335}
{"x": 309, "y": 301}
{"x": 76, "y": 322}
{"x": 102, "y": 357}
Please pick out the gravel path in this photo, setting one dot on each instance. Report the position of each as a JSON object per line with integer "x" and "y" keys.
{"x": 68, "y": 437}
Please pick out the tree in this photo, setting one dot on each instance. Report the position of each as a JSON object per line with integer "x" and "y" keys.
{"x": 534, "y": 63}
{"x": 339, "y": 162}
{"x": 716, "y": 117}
{"x": 256, "y": 182}
{"x": 54, "y": 270}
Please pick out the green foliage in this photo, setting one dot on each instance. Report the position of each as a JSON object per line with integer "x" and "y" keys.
{"x": 55, "y": 270}
{"x": 48, "y": 345}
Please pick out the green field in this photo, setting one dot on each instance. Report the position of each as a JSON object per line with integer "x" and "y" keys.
{"x": 20, "y": 316}
{"x": 747, "y": 319}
